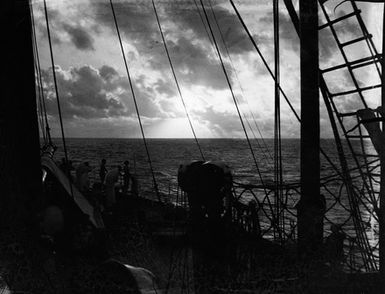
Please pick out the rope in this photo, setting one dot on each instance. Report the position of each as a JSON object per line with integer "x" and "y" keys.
{"x": 40, "y": 82}
{"x": 232, "y": 93}
{"x": 332, "y": 164}
{"x": 240, "y": 117}
{"x": 135, "y": 102}
{"x": 40, "y": 107}
{"x": 176, "y": 81}
{"x": 240, "y": 86}
{"x": 262, "y": 57}
{"x": 57, "y": 96}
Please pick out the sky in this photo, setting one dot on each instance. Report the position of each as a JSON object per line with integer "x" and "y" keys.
{"x": 95, "y": 95}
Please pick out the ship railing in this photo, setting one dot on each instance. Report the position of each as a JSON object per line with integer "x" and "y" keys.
{"x": 282, "y": 228}
{"x": 254, "y": 207}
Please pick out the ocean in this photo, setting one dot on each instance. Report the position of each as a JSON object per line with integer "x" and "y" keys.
{"x": 168, "y": 154}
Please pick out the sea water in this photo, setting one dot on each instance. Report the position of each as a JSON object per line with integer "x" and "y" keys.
{"x": 167, "y": 154}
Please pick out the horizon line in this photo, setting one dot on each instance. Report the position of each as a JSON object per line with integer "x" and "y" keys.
{"x": 176, "y": 138}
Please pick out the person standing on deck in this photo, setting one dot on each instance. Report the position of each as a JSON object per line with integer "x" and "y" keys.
{"x": 111, "y": 179}
{"x": 334, "y": 246}
{"x": 67, "y": 168}
{"x": 253, "y": 224}
{"x": 126, "y": 176}
{"x": 82, "y": 179}
{"x": 102, "y": 171}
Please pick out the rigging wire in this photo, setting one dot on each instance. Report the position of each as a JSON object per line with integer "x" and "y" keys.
{"x": 233, "y": 95}
{"x": 332, "y": 164}
{"x": 216, "y": 49}
{"x": 40, "y": 81}
{"x": 39, "y": 98}
{"x": 176, "y": 80}
{"x": 57, "y": 97}
{"x": 241, "y": 88}
{"x": 278, "y": 176}
{"x": 135, "y": 102}
{"x": 236, "y": 75}
{"x": 40, "y": 107}
{"x": 262, "y": 57}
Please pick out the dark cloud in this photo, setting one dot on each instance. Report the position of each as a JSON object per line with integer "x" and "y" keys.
{"x": 188, "y": 16}
{"x": 164, "y": 87}
{"x": 135, "y": 20}
{"x": 108, "y": 73}
{"x": 191, "y": 52}
{"x": 82, "y": 94}
{"x": 80, "y": 37}
{"x": 89, "y": 93}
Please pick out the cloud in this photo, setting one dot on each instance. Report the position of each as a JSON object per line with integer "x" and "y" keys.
{"x": 108, "y": 73}
{"x": 66, "y": 25}
{"x": 79, "y": 36}
{"x": 135, "y": 20}
{"x": 220, "y": 123}
{"x": 83, "y": 93}
{"x": 89, "y": 93}
{"x": 191, "y": 52}
{"x": 193, "y": 18}
{"x": 192, "y": 63}
{"x": 165, "y": 88}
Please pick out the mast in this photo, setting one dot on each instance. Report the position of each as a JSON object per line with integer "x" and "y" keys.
{"x": 20, "y": 173}
{"x": 311, "y": 207}
{"x": 382, "y": 171}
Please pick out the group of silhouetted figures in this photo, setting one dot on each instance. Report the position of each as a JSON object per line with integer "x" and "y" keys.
{"x": 118, "y": 178}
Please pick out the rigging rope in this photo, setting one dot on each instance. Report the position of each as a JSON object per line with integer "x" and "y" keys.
{"x": 57, "y": 97}
{"x": 40, "y": 81}
{"x": 176, "y": 81}
{"x": 267, "y": 150}
{"x": 40, "y": 107}
{"x": 216, "y": 49}
{"x": 332, "y": 164}
{"x": 232, "y": 93}
{"x": 135, "y": 102}
{"x": 262, "y": 57}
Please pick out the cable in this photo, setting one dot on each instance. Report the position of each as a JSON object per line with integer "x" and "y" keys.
{"x": 176, "y": 81}
{"x": 40, "y": 82}
{"x": 135, "y": 102}
{"x": 232, "y": 93}
{"x": 240, "y": 85}
{"x": 57, "y": 97}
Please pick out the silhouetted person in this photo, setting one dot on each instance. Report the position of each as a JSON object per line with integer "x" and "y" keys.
{"x": 63, "y": 165}
{"x": 102, "y": 171}
{"x": 66, "y": 166}
{"x": 335, "y": 246}
{"x": 126, "y": 176}
{"x": 112, "y": 178}
{"x": 82, "y": 179}
{"x": 253, "y": 225}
